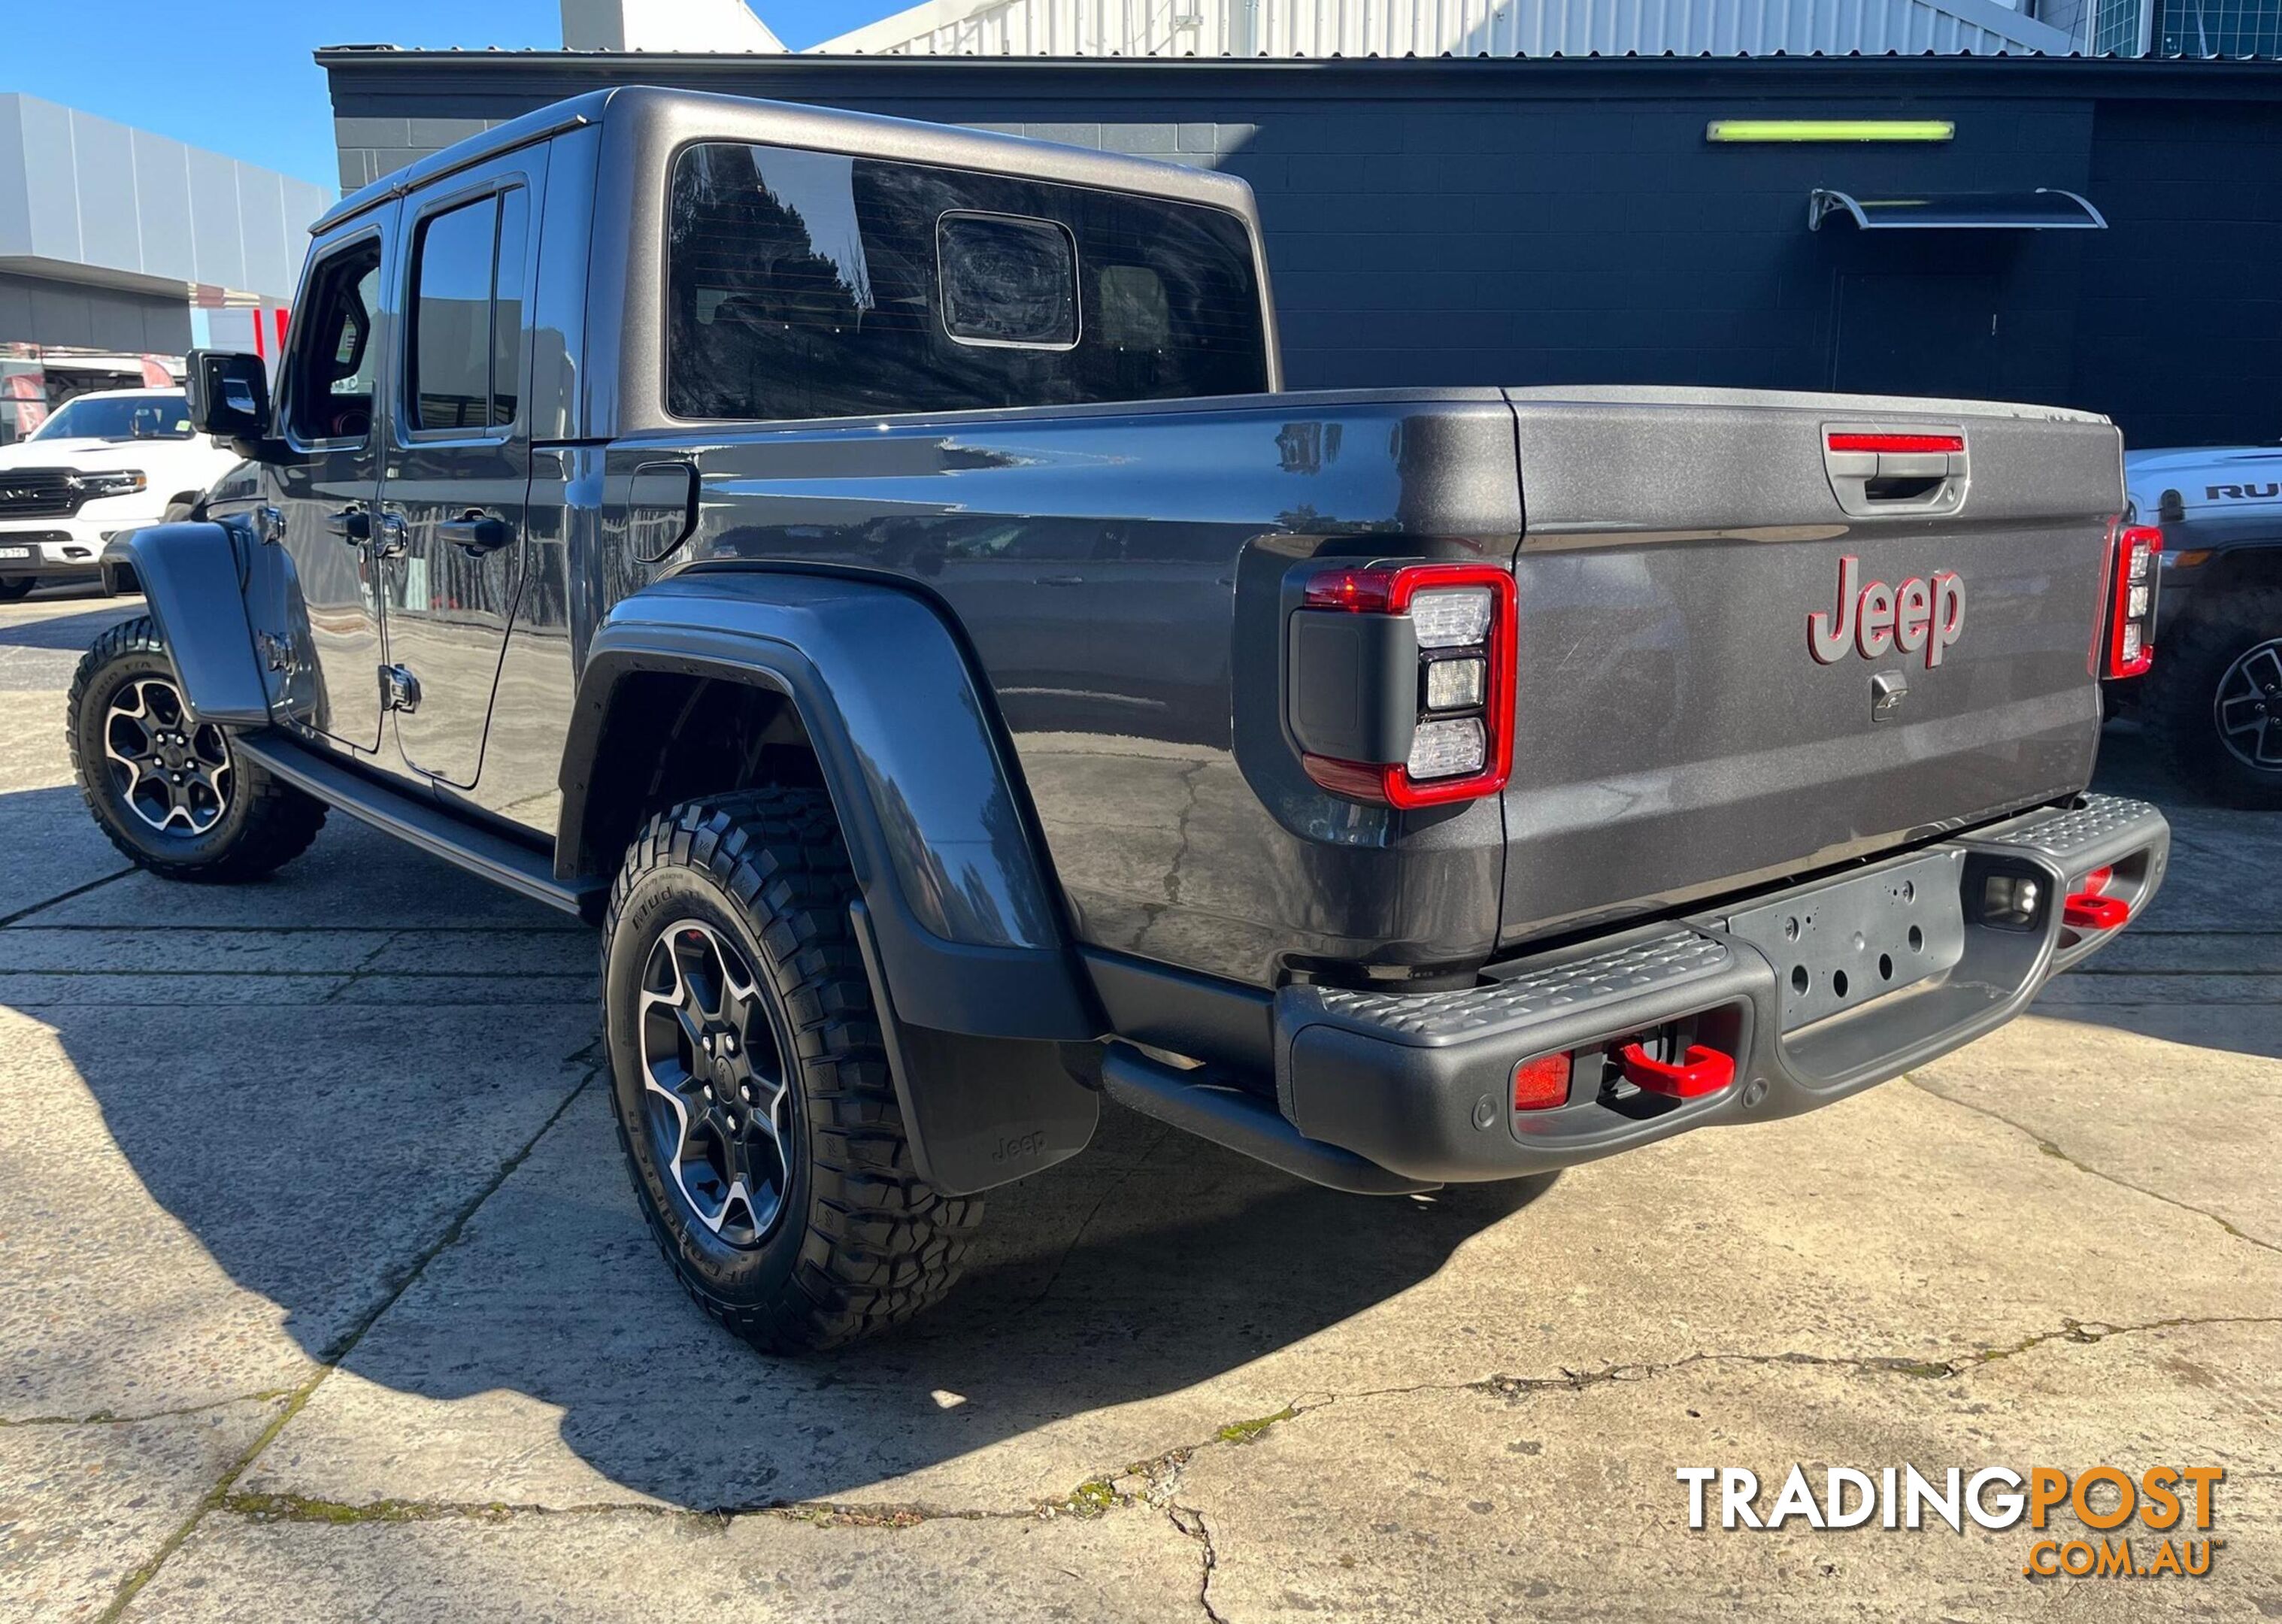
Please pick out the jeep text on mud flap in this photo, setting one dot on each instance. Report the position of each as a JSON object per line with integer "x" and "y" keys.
{"x": 873, "y": 569}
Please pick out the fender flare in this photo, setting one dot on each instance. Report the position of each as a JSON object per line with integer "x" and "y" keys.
{"x": 965, "y": 919}
{"x": 189, "y": 576}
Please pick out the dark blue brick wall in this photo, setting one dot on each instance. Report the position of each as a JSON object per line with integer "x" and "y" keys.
{"x": 1534, "y": 222}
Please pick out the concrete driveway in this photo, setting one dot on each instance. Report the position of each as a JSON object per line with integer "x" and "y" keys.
{"x": 322, "y": 1296}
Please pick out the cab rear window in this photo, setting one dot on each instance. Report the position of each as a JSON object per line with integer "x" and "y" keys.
{"x": 810, "y": 284}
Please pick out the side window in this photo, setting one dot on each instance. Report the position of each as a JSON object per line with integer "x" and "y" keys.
{"x": 464, "y": 358}
{"x": 814, "y": 285}
{"x": 1007, "y": 280}
{"x": 330, "y": 374}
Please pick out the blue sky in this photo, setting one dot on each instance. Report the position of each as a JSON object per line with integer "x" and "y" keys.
{"x": 237, "y": 77}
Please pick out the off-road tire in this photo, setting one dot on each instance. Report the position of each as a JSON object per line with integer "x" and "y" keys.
{"x": 17, "y": 590}
{"x": 264, "y": 823}
{"x": 860, "y": 1241}
{"x": 2177, "y": 706}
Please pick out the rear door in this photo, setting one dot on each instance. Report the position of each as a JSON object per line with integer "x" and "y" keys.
{"x": 457, "y": 485}
{"x": 314, "y": 601}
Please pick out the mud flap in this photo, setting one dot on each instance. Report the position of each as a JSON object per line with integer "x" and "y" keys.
{"x": 978, "y": 1112}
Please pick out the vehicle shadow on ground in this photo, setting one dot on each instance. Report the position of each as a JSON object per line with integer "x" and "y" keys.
{"x": 319, "y": 1131}
{"x": 2200, "y": 968}
{"x": 71, "y": 632}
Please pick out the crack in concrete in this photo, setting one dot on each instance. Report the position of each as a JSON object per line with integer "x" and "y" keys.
{"x": 61, "y": 897}
{"x": 110, "y": 1418}
{"x": 217, "y": 1497}
{"x": 1154, "y": 1482}
{"x": 2057, "y": 1153}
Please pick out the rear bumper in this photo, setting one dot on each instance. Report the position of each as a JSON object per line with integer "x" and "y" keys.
{"x": 1421, "y": 1084}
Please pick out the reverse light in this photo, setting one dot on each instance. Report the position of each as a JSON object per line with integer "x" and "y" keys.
{"x": 1456, "y": 685}
{"x": 1447, "y": 685}
{"x": 2131, "y": 611}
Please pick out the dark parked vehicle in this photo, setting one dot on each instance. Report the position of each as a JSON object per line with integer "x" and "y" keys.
{"x": 2214, "y": 704}
{"x": 874, "y": 571}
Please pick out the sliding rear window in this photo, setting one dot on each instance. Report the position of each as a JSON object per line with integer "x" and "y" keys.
{"x": 813, "y": 285}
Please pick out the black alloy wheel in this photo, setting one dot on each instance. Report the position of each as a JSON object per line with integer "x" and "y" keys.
{"x": 2248, "y": 708}
{"x": 166, "y": 788}
{"x": 716, "y": 1106}
{"x": 169, "y": 769}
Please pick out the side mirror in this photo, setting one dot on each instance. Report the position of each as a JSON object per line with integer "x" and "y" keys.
{"x": 230, "y": 395}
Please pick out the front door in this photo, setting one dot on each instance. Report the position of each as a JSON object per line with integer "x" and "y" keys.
{"x": 458, "y": 480}
{"x": 317, "y": 608}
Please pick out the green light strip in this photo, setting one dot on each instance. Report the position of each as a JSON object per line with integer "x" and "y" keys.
{"x": 1746, "y": 130}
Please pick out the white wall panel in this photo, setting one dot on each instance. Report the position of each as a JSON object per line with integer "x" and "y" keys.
{"x": 1433, "y": 27}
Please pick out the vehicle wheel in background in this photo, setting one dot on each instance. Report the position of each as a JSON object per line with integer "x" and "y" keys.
{"x": 15, "y": 591}
{"x": 2214, "y": 701}
{"x": 752, "y": 1095}
{"x": 166, "y": 787}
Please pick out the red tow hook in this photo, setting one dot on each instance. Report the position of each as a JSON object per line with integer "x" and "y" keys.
{"x": 1704, "y": 1071}
{"x": 2091, "y": 908}
{"x": 2088, "y": 910}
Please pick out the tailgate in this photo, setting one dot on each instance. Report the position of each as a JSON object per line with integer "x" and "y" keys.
{"x": 1702, "y": 708}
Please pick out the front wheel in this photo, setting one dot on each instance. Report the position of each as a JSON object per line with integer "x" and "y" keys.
{"x": 750, "y": 1088}
{"x": 2214, "y": 699}
{"x": 166, "y": 788}
{"x": 17, "y": 590}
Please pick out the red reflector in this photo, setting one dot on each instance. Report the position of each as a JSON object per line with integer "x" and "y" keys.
{"x": 2087, "y": 912}
{"x": 1896, "y": 442}
{"x": 1704, "y": 1071}
{"x": 2095, "y": 882}
{"x": 1541, "y": 1085}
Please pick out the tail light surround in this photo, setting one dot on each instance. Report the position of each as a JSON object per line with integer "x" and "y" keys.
{"x": 2132, "y": 607}
{"x": 1465, "y": 620}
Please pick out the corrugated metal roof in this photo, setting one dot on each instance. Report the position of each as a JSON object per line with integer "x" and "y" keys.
{"x": 1458, "y": 27}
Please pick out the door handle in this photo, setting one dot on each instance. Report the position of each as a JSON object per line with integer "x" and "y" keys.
{"x": 392, "y": 537}
{"x": 353, "y": 524}
{"x": 476, "y": 532}
{"x": 1061, "y": 581}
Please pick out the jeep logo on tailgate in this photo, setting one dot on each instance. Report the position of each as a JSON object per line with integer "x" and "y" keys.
{"x": 1918, "y": 614}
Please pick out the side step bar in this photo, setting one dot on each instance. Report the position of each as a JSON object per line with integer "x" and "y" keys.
{"x": 417, "y": 822}
{"x": 1244, "y": 1122}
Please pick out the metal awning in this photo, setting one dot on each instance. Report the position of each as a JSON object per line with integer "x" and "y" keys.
{"x": 2045, "y": 209}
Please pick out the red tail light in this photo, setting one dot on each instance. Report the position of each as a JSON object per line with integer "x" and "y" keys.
{"x": 1460, "y": 692}
{"x": 2131, "y": 611}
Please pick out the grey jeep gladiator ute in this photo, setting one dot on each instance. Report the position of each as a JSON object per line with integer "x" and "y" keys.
{"x": 875, "y": 572}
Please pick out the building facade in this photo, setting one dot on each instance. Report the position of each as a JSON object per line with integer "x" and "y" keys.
{"x": 1520, "y": 221}
{"x": 120, "y": 249}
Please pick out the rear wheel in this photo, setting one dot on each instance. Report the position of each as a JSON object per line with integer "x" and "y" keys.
{"x": 15, "y": 591}
{"x": 166, "y": 787}
{"x": 2214, "y": 699}
{"x": 751, "y": 1092}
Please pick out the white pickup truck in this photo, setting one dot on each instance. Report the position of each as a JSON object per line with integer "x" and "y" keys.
{"x": 106, "y": 463}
